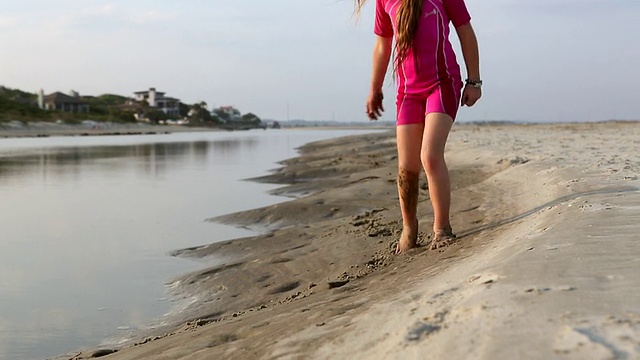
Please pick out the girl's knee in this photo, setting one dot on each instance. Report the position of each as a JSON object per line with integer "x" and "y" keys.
{"x": 413, "y": 165}
{"x": 432, "y": 163}
{"x": 408, "y": 175}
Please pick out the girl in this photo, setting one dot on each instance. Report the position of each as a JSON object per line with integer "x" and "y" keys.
{"x": 430, "y": 90}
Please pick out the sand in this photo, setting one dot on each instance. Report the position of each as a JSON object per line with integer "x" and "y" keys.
{"x": 546, "y": 265}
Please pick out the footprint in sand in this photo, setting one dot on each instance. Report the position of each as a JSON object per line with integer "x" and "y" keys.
{"x": 427, "y": 326}
{"x": 421, "y": 329}
{"x": 484, "y": 278}
{"x": 544, "y": 289}
{"x": 593, "y": 342}
{"x": 285, "y": 287}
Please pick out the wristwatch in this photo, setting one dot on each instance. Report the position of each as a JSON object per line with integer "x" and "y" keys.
{"x": 474, "y": 83}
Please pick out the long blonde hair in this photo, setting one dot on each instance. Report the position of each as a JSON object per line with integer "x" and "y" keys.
{"x": 407, "y": 20}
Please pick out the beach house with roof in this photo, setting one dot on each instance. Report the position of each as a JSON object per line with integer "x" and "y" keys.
{"x": 227, "y": 114}
{"x": 158, "y": 100}
{"x": 63, "y": 102}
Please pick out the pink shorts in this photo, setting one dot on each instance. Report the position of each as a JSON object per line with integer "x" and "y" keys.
{"x": 443, "y": 97}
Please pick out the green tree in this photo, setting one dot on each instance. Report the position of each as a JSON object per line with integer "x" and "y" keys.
{"x": 184, "y": 109}
{"x": 251, "y": 119}
{"x": 155, "y": 115}
{"x": 200, "y": 114}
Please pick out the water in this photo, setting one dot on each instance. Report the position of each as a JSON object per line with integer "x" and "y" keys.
{"x": 86, "y": 224}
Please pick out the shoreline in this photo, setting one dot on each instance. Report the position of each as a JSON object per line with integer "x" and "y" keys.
{"x": 36, "y": 130}
{"x": 326, "y": 282}
{"x": 45, "y": 129}
{"x": 48, "y": 129}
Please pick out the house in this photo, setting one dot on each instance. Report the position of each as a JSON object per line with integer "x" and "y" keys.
{"x": 156, "y": 99}
{"x": 231, "y": 112}
{"x": 227, "y": 114}
{"x": 63, "y": 102}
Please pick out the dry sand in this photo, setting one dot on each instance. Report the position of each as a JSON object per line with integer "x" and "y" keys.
{"x": 547, "y": 264}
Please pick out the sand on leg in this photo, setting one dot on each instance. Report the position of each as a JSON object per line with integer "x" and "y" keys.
{"x": 409, "y": 140}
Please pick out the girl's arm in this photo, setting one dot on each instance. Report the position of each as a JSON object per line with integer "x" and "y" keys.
{"x": 381, "y": 56}
{"x": 469, "y": 45}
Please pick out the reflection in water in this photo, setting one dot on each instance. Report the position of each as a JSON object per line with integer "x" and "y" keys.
{"x": 67, "y": 162}
{"x": 86, "y": 225}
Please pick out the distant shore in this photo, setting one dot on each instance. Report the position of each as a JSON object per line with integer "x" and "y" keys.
{"x": 46, "y": 129}
{"x": 16, "y": 129}
{"x": 545, "y": 265}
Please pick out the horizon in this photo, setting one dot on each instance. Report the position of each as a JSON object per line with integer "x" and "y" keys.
{"x": 541, "y": 61}
{"x": 378, "y": 122}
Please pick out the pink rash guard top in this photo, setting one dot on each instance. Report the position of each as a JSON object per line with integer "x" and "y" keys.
{"x": 432, "y": 59}
{"x": 429, "y": 77}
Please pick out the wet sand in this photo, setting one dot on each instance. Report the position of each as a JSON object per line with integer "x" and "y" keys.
{"x": 546, "y": 264}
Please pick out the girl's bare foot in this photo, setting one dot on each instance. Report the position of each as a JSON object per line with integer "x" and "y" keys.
{"x": 408, "y": 239}
{"x": 441, "y": 238}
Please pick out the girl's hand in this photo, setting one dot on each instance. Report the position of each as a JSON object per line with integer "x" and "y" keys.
{"x": 374, "y": 105}
{"x": 470, "y": 95}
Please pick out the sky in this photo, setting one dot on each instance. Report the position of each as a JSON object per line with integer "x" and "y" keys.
{"x": 541, "y": 60}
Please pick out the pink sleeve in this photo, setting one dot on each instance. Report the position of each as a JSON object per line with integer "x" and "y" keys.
{"x": 457, "y": 12}
{"x": 383, "y": 26}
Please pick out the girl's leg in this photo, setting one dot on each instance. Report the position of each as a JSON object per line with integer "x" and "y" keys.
{"x": 436, "y": 130}
{"x": 409, "y": 140}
